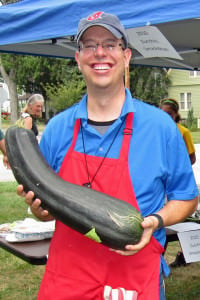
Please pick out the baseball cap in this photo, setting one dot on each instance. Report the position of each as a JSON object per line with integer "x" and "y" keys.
{"x": 106, "y": 20}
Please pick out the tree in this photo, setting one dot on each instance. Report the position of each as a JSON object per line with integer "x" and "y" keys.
{"x": 149, "y": 84}
{"x": 65, "y": 95}
{"x": 31, "y": 74}
{"x": 191, "y": 122}
{"x": 69, "y": 92}
{"x": 39, "y": 72}
{"x": 9, "y": 77}
{"x": 4, "y": 2}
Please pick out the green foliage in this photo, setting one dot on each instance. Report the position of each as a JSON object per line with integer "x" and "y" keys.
{"x": 149, "y": 84}
{"x": 32, "y": 73}
{"x": 69, "y": 91}
{"x": 191, "y": 121}
{"x": 65, "y": 95}
{"x": 4, "y": 2}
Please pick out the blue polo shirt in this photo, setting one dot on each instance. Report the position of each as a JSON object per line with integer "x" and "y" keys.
{"x": 159, "y": 164}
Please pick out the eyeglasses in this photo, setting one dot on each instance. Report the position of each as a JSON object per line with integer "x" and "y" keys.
{"x": 91, "y": 46}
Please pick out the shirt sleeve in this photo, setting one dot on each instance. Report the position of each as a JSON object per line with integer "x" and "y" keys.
{"x": 180, "y": 183}
{"x": 25, "y": 115}
{"x": 188, "y": 141}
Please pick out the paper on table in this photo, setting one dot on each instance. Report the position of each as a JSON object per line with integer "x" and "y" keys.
{"x": 185, "y": 226}
{"x": 28, "y": 230}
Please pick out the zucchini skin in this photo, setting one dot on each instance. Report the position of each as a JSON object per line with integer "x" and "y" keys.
{"x": 116, "y": 222}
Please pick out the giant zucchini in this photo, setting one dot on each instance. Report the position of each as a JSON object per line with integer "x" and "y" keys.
{"x": 113, "y": 222}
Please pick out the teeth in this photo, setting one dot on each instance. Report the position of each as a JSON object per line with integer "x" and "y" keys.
{"x": 101, "y": 67}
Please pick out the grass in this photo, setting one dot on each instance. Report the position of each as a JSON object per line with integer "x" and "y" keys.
{"x": 20, "y": 280}
{"x": 7, "y": 123}
{"x": 183, "y": 282}
{"x": 196, "y": 138}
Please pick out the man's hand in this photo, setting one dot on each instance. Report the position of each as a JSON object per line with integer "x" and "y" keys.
{"x": 35, "y": 204}
{"x": 149, "y": 224}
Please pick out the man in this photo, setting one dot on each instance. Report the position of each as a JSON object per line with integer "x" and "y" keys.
{"x": 127, "y": 149}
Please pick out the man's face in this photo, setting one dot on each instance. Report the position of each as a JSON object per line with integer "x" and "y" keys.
{"x": 101, "y": 58}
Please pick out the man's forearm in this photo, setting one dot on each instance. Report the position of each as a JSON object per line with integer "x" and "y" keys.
{"x": 176, "y": 211}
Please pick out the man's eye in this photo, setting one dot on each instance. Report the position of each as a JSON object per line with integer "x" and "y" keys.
{"x": 90, "y": 46}
{"x": 109, "y": 46}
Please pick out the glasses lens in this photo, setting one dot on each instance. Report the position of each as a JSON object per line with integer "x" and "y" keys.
{"x": 91, "y": 46}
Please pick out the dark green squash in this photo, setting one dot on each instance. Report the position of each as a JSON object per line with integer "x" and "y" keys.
{"x": 108, "y": 220}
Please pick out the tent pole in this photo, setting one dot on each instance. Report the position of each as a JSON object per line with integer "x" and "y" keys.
{"x": 127, "y": 79}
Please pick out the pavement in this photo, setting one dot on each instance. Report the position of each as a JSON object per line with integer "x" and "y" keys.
{"x": 7, "y": 175}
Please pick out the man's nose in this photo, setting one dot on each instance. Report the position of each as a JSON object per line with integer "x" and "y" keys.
{"x": 100, "y": 50}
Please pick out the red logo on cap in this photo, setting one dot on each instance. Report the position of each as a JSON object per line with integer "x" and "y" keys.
{"x": 97, "y": 15}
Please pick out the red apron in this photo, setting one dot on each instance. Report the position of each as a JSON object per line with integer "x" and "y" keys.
{"x": 81, "y": 269}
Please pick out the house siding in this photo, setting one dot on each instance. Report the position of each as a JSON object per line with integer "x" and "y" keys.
{"x": 182, "y": 82}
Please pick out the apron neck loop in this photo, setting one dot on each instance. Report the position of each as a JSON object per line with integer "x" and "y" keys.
{"x": 128, "y": 131}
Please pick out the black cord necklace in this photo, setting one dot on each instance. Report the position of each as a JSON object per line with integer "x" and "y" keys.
{"x": 89, "y": 183}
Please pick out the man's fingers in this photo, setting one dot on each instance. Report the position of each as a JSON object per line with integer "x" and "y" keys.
{"x": 20, "y": 190}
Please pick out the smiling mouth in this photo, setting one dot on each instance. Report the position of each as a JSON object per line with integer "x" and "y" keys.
{"x": 102, "y": 67}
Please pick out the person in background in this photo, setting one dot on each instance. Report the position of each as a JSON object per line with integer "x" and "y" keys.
{"x": 121, "y": 146}
{"x": 171, "y": 107}
{"x": 3, "y": 150}
{"x": 32, "y": 111}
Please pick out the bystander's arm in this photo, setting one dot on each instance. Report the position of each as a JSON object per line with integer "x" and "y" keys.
{"x": 3, "y": 150}
{"x": 2, "y": 146}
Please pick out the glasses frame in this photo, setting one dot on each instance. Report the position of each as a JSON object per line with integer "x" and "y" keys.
{"x": 108, "y": 48}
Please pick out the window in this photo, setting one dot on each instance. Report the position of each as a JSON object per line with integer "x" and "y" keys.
{"x": 185, "y": 101}
{"x": 194, "y": 73}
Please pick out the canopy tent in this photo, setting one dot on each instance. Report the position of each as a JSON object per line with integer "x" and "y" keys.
{"x": 48, "y": 27}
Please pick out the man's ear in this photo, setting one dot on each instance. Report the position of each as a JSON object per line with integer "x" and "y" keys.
{"x": 77, "y": 59}
{"x": 127, "y": 55}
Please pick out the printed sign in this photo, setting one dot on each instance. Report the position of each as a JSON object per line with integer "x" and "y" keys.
{"x": 150, "y": 42}
{"x": 190, "y": 243}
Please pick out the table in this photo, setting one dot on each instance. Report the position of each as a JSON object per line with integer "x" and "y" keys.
{"x": 171, "y": 236}
{"x": 34, "y": 253}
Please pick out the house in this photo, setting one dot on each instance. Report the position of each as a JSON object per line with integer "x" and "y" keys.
{"x": 4, "y": 93}
{"x": 185, "y": 88}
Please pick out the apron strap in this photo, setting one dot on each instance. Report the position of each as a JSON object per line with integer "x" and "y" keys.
{"x": 127, "y": 133}
{"x": 75, "y": 135}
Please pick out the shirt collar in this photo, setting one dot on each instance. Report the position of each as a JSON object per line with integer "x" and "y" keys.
{"x": 127, "y": 107}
